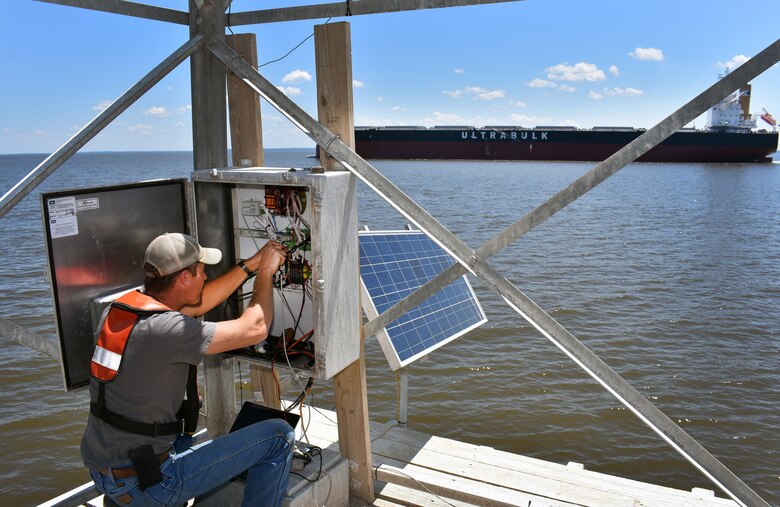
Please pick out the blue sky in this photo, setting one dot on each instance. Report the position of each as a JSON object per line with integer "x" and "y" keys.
{"x": 533, "y": 62}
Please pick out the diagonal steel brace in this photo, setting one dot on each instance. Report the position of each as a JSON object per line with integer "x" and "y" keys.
{"x": 93, "y": 128}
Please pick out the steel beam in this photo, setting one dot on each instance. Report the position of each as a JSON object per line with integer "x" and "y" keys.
{"x": 339, "y": 9}
{"x": 471, "y": 261}
{"x": 64, "y": 152}
{"x": 128, "y": 9}
{"x": 22, "y": 336}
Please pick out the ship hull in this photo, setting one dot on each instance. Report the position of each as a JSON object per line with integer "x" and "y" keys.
{"x": 566, "y": 145}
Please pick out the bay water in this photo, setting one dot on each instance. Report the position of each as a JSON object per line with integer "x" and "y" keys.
{"x": 669, "y": 272}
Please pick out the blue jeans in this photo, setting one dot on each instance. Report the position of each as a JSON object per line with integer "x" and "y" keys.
{"x": 263, "y": 449}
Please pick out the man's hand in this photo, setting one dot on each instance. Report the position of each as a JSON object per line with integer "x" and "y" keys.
{"x": 268, "y": 259}
{"x": 253, "y": 325}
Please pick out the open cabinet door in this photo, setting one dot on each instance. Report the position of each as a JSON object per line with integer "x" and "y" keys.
{"x": 95, "y": 241}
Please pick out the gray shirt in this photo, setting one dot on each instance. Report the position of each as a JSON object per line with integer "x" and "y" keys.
{"x": 149, "y": 387}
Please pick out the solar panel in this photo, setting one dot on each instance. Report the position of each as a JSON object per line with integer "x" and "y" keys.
{"x": 393, "y": 264}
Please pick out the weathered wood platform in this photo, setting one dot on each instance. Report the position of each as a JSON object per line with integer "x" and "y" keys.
{"x": 415, "y": 469}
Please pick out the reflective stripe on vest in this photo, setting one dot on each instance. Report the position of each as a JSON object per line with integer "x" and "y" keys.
{"x": 114, "y": 335}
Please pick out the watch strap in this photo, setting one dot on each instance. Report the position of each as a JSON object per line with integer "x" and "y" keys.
{"x": 249, "y": 272}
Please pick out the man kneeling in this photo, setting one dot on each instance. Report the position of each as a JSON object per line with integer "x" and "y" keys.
{"x": 138, "y": 440}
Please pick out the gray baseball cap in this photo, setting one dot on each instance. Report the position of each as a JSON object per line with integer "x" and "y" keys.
{"x": 172, "y": 252}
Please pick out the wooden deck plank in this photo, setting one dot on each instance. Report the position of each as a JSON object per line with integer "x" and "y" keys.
{"x": 389, "y": 494}
{"x": 472, "y": 492}
{"x": 395, "y": 446}
{"x": 545, "y": 479}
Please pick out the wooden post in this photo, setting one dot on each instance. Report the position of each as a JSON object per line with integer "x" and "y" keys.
{"x": 246, "y": 131}
{"x": 209, "y": 131}
{"x": 246, "y": 140}
{"x": 333, "y": 55}
{"x": 209, "y": 145}
{"x": 354, "y": 430}
{"x": 334, "y": 105}
{"x": 266, "y": 381}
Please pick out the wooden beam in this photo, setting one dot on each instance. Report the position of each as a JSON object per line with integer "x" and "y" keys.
{"x": 266, "y": 381}
{"x": 246, "y": 141}
{"x": 128, "y": 9}
{"x": 246, "y": 131}
{"x": 333, "y": 55}
{"x": 209, "y": 144}
{"x": 340, "y": 9}
{"x": 333, "y": 60}
{"x": 354, "y": 430}
{"x": 209, "y": 110}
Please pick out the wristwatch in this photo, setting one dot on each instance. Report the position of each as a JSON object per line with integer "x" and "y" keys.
{"x": 249, "y": 272}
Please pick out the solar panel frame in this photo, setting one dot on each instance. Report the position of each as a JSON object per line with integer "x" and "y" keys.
{"x": 393, "y": 265}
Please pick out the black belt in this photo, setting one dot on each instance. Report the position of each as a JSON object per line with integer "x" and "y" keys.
{"x": 126, "y": 473}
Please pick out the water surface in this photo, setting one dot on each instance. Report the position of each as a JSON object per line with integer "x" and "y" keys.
{"x": 669, "y": 272}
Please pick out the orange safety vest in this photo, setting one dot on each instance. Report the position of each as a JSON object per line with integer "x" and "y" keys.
{"x": 115, "y": 333}
{"x": 124, "y": 314}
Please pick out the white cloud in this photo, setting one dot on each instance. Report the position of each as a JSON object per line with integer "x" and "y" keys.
{"x": 141, "y": 128}
{"x": 614, "y": 70}
{"x": 296, "y": 76}
{"x": 447, "y": 117}
{"x": 458, "y": 71}
{"x": 653, "y": 54}
{"x": 440, "y": 118}
{"x": 476, "y": 92}
{"x": 290, "y": 91}
{"x": 517, "y": 103}
{"x": 482, "y": 94}
{"x": 733, "y": 63}
{"x": 380, "y": 99}
{"x": 40, "y": 133}
{"x": 526, "y": 120}
{"x": 595, "y": 95}
{"x": 357, "y": 84}
{"x": 623, "y": 92}
{"x": 158, "y": 112}
{"x": 581, "y": 71}
{"x": 102, "y": 105}
{"x": 567, "y": 88}
{"x": 541, "y": 83}
{"x": 397, "y": 108}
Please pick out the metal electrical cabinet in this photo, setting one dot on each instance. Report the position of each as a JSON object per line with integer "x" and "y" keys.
{"x": 96, "y": 239}
{"x": 316, "y": 295}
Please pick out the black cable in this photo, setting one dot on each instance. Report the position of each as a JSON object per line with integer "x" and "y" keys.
{"x": 311, "y": 452}
{"x": 240, "y": 384}
{"x": 301, "y": 396}
{"x": 230, "y": 7}
{"x": 293, "y": 49}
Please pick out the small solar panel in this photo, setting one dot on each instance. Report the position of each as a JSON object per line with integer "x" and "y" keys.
{"x": 393, "y": 264}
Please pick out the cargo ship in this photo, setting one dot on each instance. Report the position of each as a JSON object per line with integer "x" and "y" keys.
{"x": 729, "y": 136}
